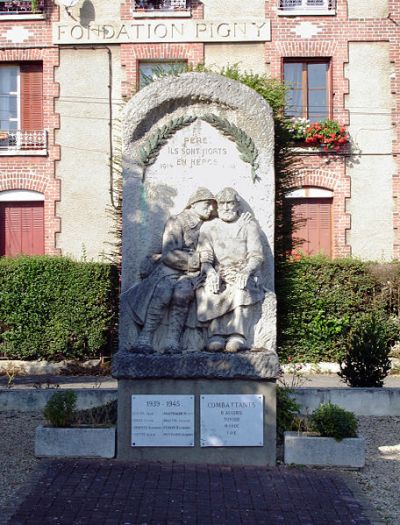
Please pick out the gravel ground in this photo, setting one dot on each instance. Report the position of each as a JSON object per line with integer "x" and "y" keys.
{"x": 17, "y": 460}
{"x": 379, "y": 481}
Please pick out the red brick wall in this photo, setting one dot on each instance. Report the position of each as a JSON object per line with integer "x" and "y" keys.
{"x": 333, "y": 41}
{"x": 131, "y": 54}
{"x": 36, "y": 173}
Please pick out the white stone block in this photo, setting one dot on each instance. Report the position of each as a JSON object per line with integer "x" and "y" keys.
{"x": 303, "y": 449}
{"x": 84, "y": 442}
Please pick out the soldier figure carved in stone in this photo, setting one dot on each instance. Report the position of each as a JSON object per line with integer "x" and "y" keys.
{"x": 170, "y": 287}
{"x": 232, "y": 287}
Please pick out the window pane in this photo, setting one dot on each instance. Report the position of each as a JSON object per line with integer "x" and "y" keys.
{"x": 317, "y": 91}
{"x": 317, "y": 107}
{"x": 293, "y": 77}
{"x": 317, "y": 75}
{"x": 8, "y": 97}
{"x": 149, "y": 71}
{"x": 8, "y": 79}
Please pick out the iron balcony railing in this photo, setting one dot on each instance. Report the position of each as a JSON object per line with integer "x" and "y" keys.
{"x": 21, "y": 7}
{"x": 307, "y": 5}
{"x": 19, "y": 140}
{"x": 161, "y": 5}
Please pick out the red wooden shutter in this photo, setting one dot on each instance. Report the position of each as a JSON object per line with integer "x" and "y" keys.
{"x": 21, "y": 228}
{"x": 312, "y": 225}
{"x": 31, "y": 96}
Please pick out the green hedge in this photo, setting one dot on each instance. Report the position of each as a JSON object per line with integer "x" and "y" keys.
{"x": 56, "y": 308}
{"x": 320, "y": 299}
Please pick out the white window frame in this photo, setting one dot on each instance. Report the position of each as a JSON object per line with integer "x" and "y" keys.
{"x": 306, "y": 10}
{"x": 160, "y": 13}
{"x": 16, "y": 93}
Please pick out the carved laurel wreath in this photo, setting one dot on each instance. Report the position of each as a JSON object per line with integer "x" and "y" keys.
{"x": 245, "y": 145}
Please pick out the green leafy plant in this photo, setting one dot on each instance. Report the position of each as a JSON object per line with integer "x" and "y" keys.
{"x": 328, "y": 134}
{"x": 318, "y": 300}
{"x": 55, "y": 308}
{"x": 287, "y": 410}
{"x": 60, "y": 409}
{"x": 366, "y": 362}
{"x": 330, "y": 420}
{"x": 297, "y": 127}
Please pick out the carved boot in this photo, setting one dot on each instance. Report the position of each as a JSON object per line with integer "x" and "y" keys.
{"x": 176, "y": 323}
{"x": 144, "y": 341}
{"x": 216, "y": 343}
{"x": 236, "y": 343}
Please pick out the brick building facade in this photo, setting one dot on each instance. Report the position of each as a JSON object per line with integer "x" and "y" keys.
{"x": 68, "y": 70}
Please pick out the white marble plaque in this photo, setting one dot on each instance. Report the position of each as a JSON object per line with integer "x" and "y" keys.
{"x": 162, "y": 421}
{"x": 231, "y": 421}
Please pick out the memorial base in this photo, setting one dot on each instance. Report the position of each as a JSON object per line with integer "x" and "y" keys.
{"x": 226, "y": 455}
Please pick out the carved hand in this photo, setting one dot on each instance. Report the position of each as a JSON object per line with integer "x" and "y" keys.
{"x": 198, "y": 281}
{"x": 245, "y": 218}
{"x": 242, "y": 280}
{"x": 206, "y": 257}
{"x": 212, "y": 282}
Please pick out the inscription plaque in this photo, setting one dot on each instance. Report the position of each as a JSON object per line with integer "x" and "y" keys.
{"x": 231, "y": 421}
{"x": 162, "y": 421}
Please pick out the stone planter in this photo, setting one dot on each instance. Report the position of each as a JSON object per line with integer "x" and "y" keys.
{"x": 83, "y": 442}
{"x": 303, "y": 449}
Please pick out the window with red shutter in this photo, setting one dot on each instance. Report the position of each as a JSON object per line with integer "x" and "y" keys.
{"x": 21, "y": 107}
{"x": 312, "y": 225}
{"x": 21, "y": 228}
{"x": 31, "y": 96}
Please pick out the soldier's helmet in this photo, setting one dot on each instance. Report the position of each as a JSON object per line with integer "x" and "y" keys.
{"x": 201, "y": 194}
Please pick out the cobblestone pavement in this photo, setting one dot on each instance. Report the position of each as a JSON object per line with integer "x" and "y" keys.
{"x": 101, "y": 492}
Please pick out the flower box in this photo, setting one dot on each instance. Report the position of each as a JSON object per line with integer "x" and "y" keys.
{"x": 302, "y": 448}
{"x": 327, "y": 134}
{"x": 78, "y": 442}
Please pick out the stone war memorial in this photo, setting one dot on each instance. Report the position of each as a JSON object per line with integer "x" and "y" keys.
{"x": 197, "y": 362}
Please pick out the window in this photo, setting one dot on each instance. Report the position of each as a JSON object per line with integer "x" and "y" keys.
{"x": 21, "y": 7}
{"x": 161, "y": 5}
{"x": 21, "y": 228}
{"x": 308, "y": 84}
{"x": 306, "y": 7}
{"x": 311, "y": 218}
{"x": 149, "y": 71}
{"x": 21, "y": 107}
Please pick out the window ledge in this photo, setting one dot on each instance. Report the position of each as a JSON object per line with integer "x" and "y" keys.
{"x": 306, "y": 12}
{"x": 306, "y": 149}
{"x": 186, "y": 13}
{"x": 39, "y": 16}
{"x": 23, "y": 153}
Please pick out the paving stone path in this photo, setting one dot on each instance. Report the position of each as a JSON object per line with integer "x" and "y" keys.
{"x": 87, "y": 492}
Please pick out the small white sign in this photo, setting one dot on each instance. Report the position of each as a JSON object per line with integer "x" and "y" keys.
{"x": 162, "y": 421}
{"x": 231, "y": 421}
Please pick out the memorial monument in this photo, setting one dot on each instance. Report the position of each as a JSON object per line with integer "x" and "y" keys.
{"x": 197, "y": 363}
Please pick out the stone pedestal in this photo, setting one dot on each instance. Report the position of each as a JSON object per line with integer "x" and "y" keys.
{"x": 222, "y": 374}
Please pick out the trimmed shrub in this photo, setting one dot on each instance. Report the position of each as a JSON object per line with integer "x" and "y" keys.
{"x": 318, "y": 300}
{"x": 333, "y": 421}
{"x": 60, "y": 409}
{"x": 55, "y": 308}
{"x": 366, "y": 362}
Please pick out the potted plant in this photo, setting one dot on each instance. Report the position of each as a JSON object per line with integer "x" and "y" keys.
{"x": 71, "y": 433}
{"x": 332, "y": 441}
{"x": 327, "y": 134}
